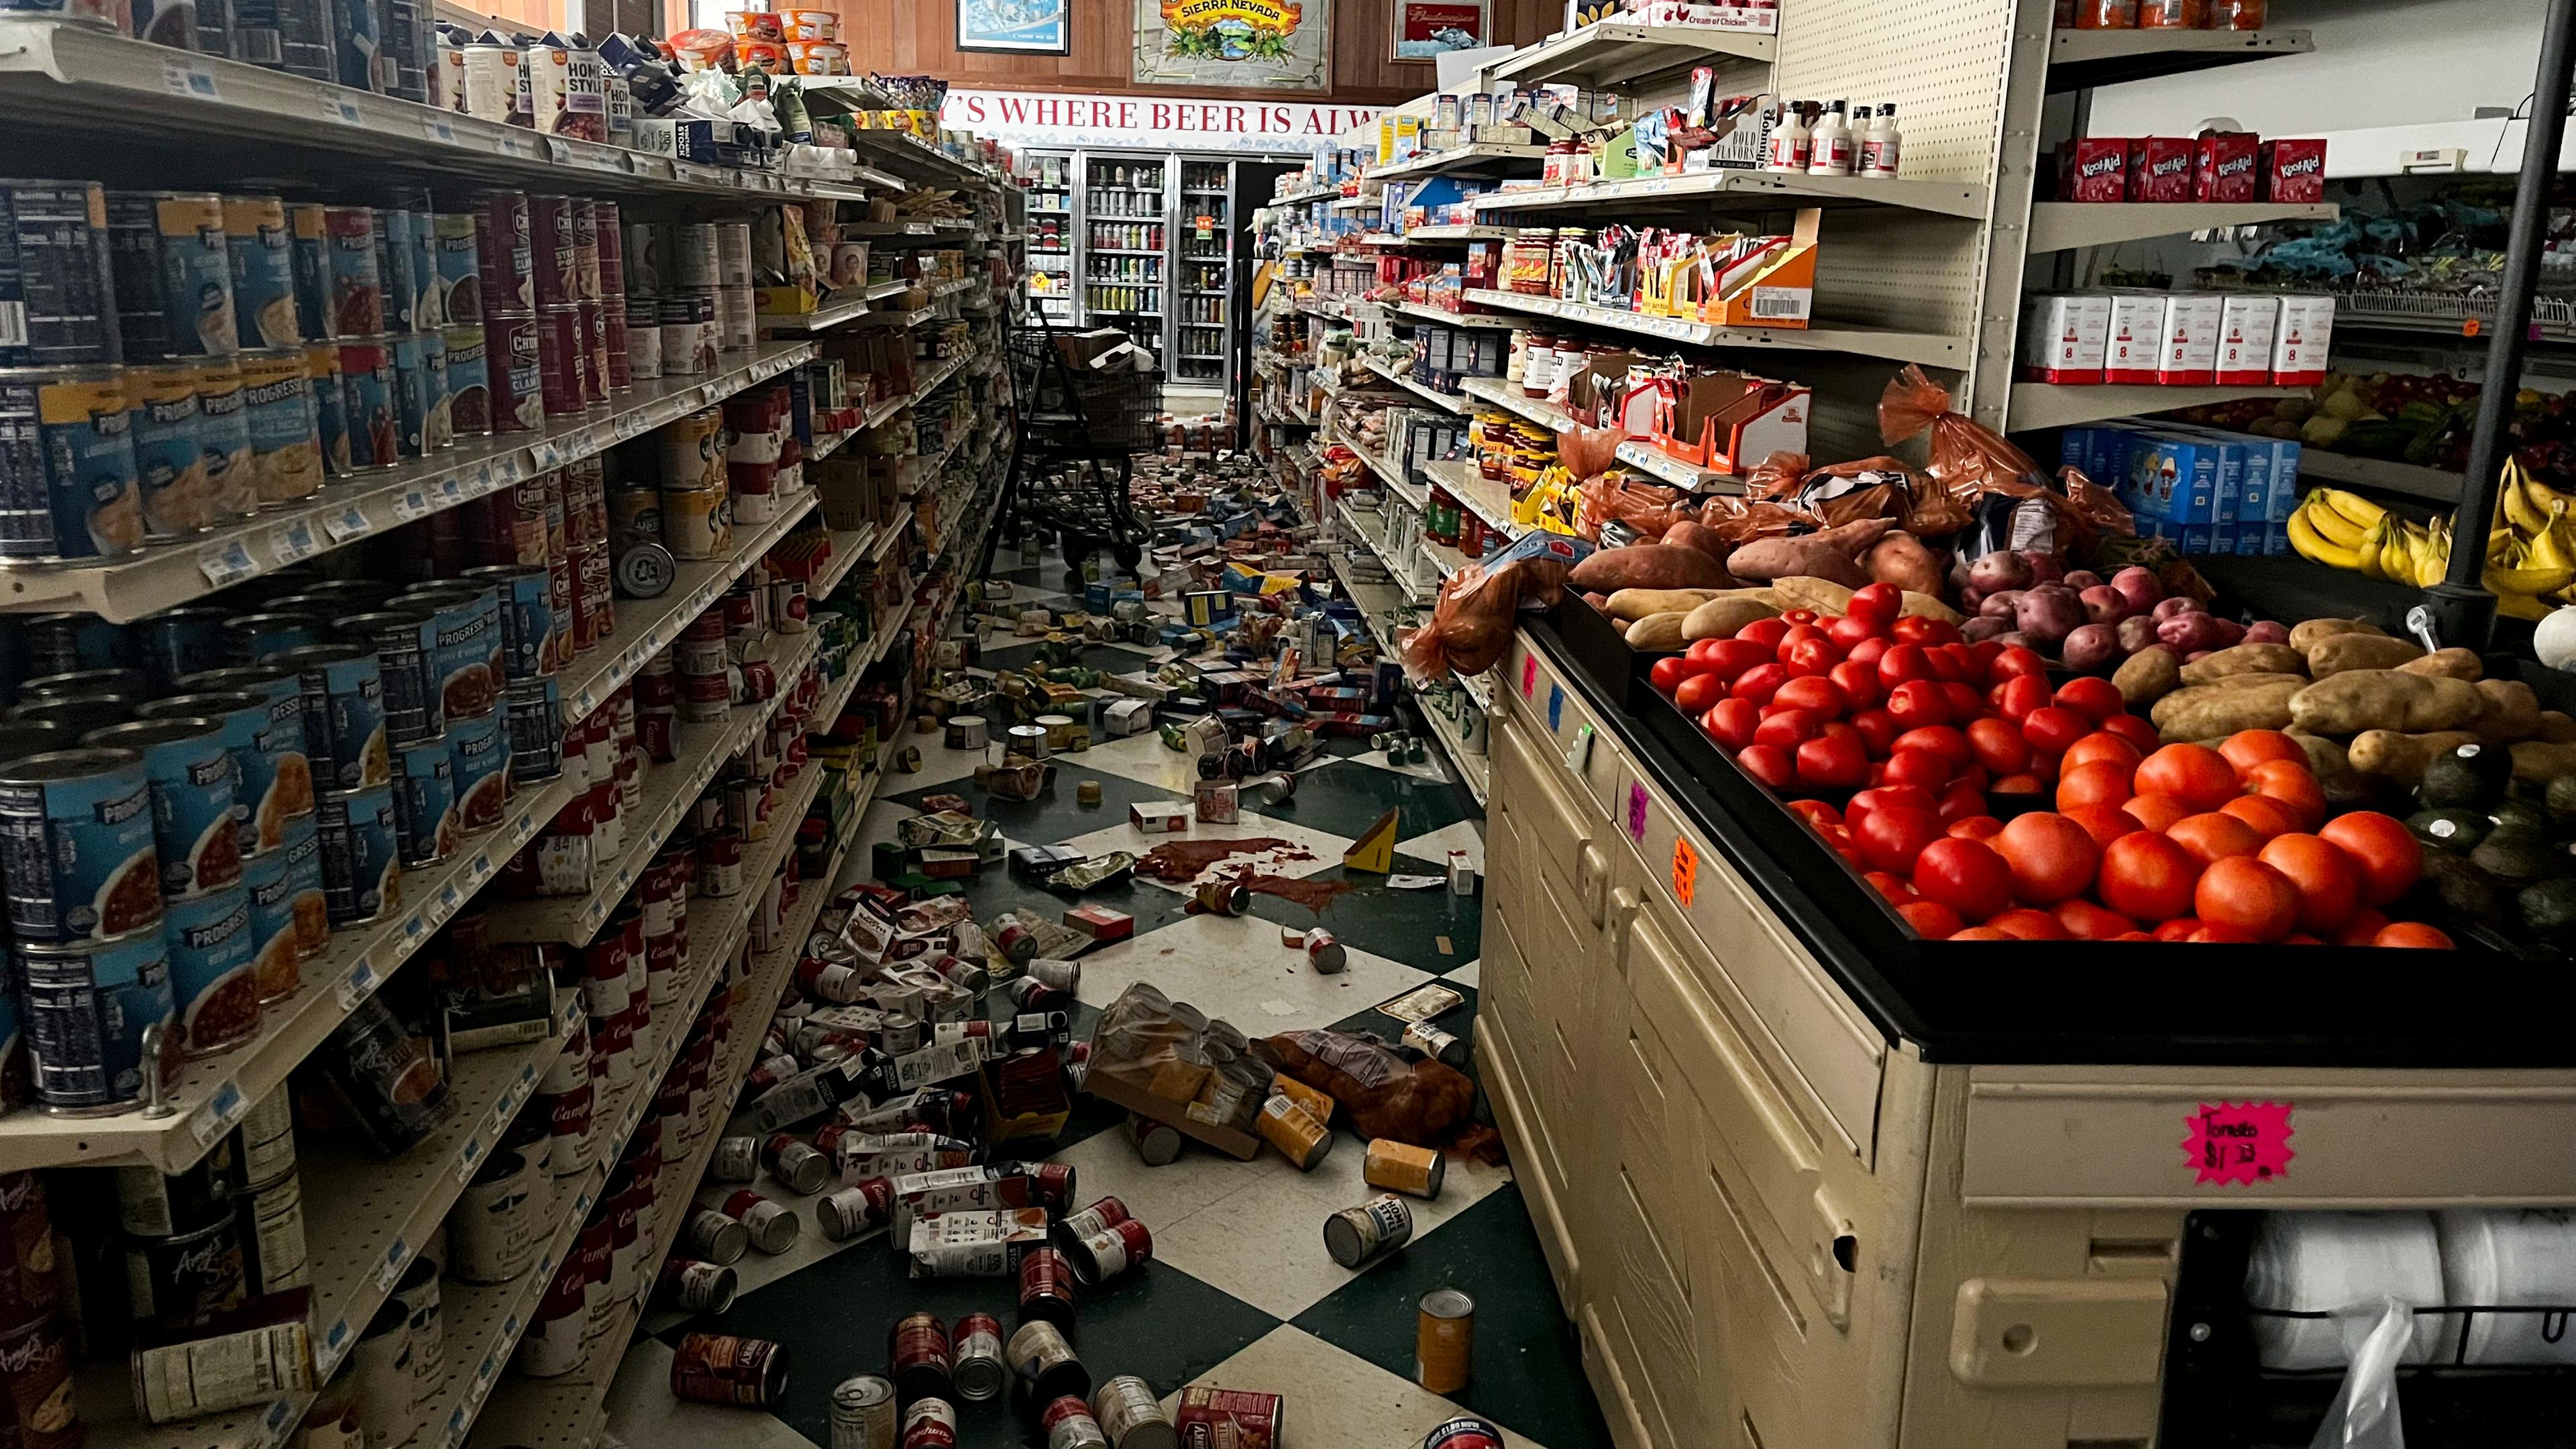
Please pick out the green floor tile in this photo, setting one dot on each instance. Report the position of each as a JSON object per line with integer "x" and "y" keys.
{"x": 1346, "y": 797}
{"x": 1403, "y": 926}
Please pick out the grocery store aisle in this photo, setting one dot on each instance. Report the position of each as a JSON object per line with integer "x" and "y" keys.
{"x": 1240, "y": 1293}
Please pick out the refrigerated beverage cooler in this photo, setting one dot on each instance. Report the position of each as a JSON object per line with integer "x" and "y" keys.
{"x": 1051, "y": 236}
{"x": 1126, "y": 246}
{"x": 1202, "y": 310}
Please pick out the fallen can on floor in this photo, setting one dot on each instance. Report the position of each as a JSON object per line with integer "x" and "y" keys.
{"x": 1358, "y": 1236}
{"x": 1444, "y": 1339}
{"x": 717, "y": 1368}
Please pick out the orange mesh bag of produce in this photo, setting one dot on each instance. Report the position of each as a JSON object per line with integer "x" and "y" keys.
{"x": 1648, "y": 508}
{"x": 1968, "y": 458}
{"x": 1421, "y": 1102}
{"x": 1471, "y": 625}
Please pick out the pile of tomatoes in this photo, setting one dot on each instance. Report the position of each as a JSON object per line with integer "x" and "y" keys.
{"x": 2148, "y": 841}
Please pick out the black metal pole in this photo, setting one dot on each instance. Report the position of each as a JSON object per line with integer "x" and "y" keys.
{"x": 2463, "y": 612}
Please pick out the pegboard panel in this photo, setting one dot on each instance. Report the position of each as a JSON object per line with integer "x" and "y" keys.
{"x": 1941, "y": 61}
{"x": 1899, "y": 268}
{"x": 1845, "y": 421}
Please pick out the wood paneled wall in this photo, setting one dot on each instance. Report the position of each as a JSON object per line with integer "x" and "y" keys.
{"x": 919, "y": 37}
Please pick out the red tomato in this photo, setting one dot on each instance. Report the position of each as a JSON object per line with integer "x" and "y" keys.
{"x": 2197, "y": 775}
{"x": 1892, "y": 836}
{"x": 1950, "y": 665}
{"x": 2015, "y": 662}
{"x": 1974, "y": 777}
{"x": 1965, "y": 702}
{"x": 1982, "y": 933}
{"x": 2365, "y": 924}
{"x": 1999, "y": 746}
{"x": 1918, "y": 767}
{"x": 2095, "y": 698}
{"x": 1876, "y": 605}
{"x": 2096, "y": 782}
{"x": 1797, "y": 617}
{"x": 1817, "y": 813}
{"x": 1812, "y": 656}
{"x": 2247, "y": 748}
{"x": 2268, "y": 816}
{"x": 1880, "y": 797}
{"x": 1857, "y": 681}
{"x": 1698, "y": 692}
{"x": 1765, "y": 633}
{"x": 2412, "y": 933}
{"x": 2133, "y": 729}
{"x": 1917, "y": 703}
{"x": 1965, "y": 875}
{"x": 2213, "y": 934}
{"x": 1832, "y": 762}
{"x": 1757, "y": 684}
{"x": 1914, "y": 629}
{"x": 2024, "y": 924}
{"x": 2147, "y": 877}
{"x": 2020, "y": 694}
{"x": 2053, "y": 730}
{"x": 1730, "y": 722}
{"x": 1704, "y": 651}
{"x": 1727, "y": 658}
{"x": 2134, "y": 936}
{"x": 2101, "y": 745}
{"x": 1798, "y": 634}
{"x": 1877, "y": 731}
{"x": 1941, "y": 740}
{"x": 1974, "y": 827}
{"x": 1868, "y": 651}
{"x": 2329, "y": 888}
{"x": 2051, "y": 856}
{"x": 2289, "y": 782}
{"x": 2180, "y": 928}
{"x": 2156, "y": 812}
{"x": 1811, "y": 692}
{"x": 2382, "y": 849}
{"x": 1902, "y": 662}
{"x": 2105, "y": 823}
{"x": 1931, "y": 920}
{"x": 1787, "y": 728}
{"x": 1891, "y": 887}
{"x": 2023, "y": 784}
{"x": 1667, "y": 675}
{"x": 2213, "y": 836}
{"x": 1767, "y": 763}
{"x": 1985, "y": 652}
{"x": 2086, "y": 921}
{"x": 1848, "y": 631}
{"x": 2243, "y": 894}
{"x": 1962, "y": 801}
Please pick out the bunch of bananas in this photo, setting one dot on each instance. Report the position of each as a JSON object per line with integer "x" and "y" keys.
{"x": 2530, "y": 553}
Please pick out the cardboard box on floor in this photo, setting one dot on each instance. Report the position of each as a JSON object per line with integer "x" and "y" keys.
{"x": 1175, "y": 1115}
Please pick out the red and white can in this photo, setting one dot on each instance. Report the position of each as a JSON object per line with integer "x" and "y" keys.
{"x": 514, "y": 371}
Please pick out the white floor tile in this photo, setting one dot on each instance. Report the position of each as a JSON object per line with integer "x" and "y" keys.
{"x": 1146, "y": 758}
{"x": 1105, "y": 1166}
{"x": 1428, "y": 769}
{"x": 1337, "y": 1397}
{"x": 1236, "y": 968}
{"x": 1434, "y": 846}
{"x": 1308, "y": 851}
{"x": 756, "y": 1269}
{"x": 1468, "y": 975}
{"x": 642, "y": 1412}
{"x": 939, "y": 764}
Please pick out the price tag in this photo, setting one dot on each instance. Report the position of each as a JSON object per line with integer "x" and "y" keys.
{"x": 397, "y": 1257}
{"x": 481, "y": 865}
{"x": 466, "y": 1160}
{"x": 434, "y": 126}
{"x": 334, "y": 104}
{"x": 282, "y": 1416}
{"x": 546, "y": 454}
{"x": 1529, "y": 675}
{"x": 558, "y": 150}
{"x": 448, "y": 897}
{"x": 509, "y": 469}
{"x": 413, "y": 504}
{"x": 187, "y": 78}
{"x": 226, "y": 563}
{"x": 484, "y": 481}
{"x": 354, "y": 987}
{"x": 451, "y": 491}
{"x": 335, "y": 1342}
{"x": 2239, "y": 1143}
{"x": 509, "y": 143}
{"x": 1685, "y": 871}
{"x": 293, "y": 543}
{"x": 1637, "y": 813}
{"x": 221, "y": 1111}
{"x": 350, "y": 522}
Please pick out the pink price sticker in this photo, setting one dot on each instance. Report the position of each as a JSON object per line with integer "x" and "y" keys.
{"x": 2240, "y": 1143}
{"x": 1529, "y": 675}
{"x": 1637, "y": 813}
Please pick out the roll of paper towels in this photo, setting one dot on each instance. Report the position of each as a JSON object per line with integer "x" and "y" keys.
{"x": 2506, "y": 1256}
{"x": 2324, "y": 1261}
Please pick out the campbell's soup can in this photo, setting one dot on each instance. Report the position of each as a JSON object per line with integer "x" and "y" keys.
{"x": 505, "y": 245}
{"x": 514, "y": 369}
{"x": 1239, "y": 1417}
{"x": 553, "y": 249}
{"x": 711, "y": 1368}
{"x": 563, "y": 350}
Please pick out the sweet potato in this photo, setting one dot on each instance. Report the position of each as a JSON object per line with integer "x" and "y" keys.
{"x": 2243, "y": 659}
{"x": 1720, "y": 617}
{"x": 1629, "y": 605}
{"x": 1650, "y": 566}
{"x": 2342, "y": 653}
{"x": 1687, "y": 534}
{"x": 1902, "y": 560}
{"x": 1921, "y": 605}
{"x": 2455, "y": 663}
{"x": 1657, "y": 633}
{"x": 2558, "y": 727}
{"x": 2403, "y": 757}
{"x": 2512, "y": 711}
{"x": 1831, "y": 554}
{"x": 1803, "y": 592}
{"x": 2541, "y": 761}
{"x": 2309, "y": 631}
{"x": 2215, "y": 711}
{"x": 2385, "y": 699}
{"x": 2148, "y": 675}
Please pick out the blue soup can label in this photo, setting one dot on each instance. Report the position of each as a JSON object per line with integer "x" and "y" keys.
{"x": 405, "y": 638}
{"x": 395, "y": 256}
{"x": 330, "y": 406}
{"x": 285, "y": 436}
{"x": 305, "y": 890}
{"x": 367, "y": 395}
{"x": 68, "y": 486}
{"x": 429, "y": 307}
{"x": 182, "y": 641}
{"x": 251, "y": 637}
{"x": 196, "y": 274}
{"x": 460, "y": 269}
{"x": 76, "y": 846}
{"x": 170, "y": 450}
{"x": 481, "y": 749}
{"x": 309, "y": 235}
{"x": 425, "y": 801}
{"x": 266, "y": 739}
{"x": 411, "y": 395}
{"x": 344, "y": 714}
{"x": 261, "y": 253}
{"x": 231, "y": 487}
{"x": 467, "y": 647}
{"x": 88, "y": 1007}
{"x": 361, "y": 854}
{"x": 526, "y": 598}
{"x": 277, "y": 958}
{"x": 469, "y": 390}
{"x": 438, "y": 428}
{"x": 194, "y": 784}
{"x": 535, "y": 708}
{"x": 211, "y": 949}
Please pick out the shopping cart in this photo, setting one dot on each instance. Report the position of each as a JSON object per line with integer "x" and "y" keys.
{"x": 1078, "y": 431}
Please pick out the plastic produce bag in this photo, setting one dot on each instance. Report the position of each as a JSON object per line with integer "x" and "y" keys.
{"x": 1471, "y": 625}
{"x": 1418, "y": 1101}
{"x": 2364, "y": 1412}
{"x": 1967, "y": 457}
{"x": 1586, "y": 452}
{"x": 1647, "y": 508}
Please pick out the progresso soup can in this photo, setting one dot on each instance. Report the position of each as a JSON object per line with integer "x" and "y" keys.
{"x": 277, "y": 956}
{"x": 88, "y": 1005}
{"x": 68, "y": 486}
{"x": 395, "y": 256}
{"x": 480, "y": 749}
{"x": 231, "y": 490}
{"x": 60, "y": 294}
{"x": 411, "y": 395}
{"x": 76, "y": 846}
{"x": 367, "y": 392}
{"x": 525, "y": 596}
{"x": 361, "y": 854}
{"x": 356, "y": 284}
{"x": 260, "y": 253}
{"x": 438, "y": 430}
{"x": 534, "y": 718}
{"x": 306, "y": 892}
{"x": 344, "y": 714}
{"x": 405, "y": 638}
{"x": 211, "y": 950}
{"x": 285, "y": 434}
{"x": 469, "y": 390}
{"x": 170, "y": 454}
{"x": 460, "y": 268}
{"x": 193, "y": 784}
{"x": 330, "y": 407}
{"x": 425, "y": 801}
{"x": 181, "y": 641}
{"x": 469, "y": 646}
{"x": 183, "y": 306}
{"x": 276, "y": 771}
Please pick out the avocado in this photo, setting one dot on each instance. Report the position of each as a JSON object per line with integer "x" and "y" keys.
{"x": 2468, "y": 775}
{"x": 2525, "y": 817}
{"x": 2516, "y": 856}
{"x": 2463, "y": 887}
{"x": 2560, "y": 799}
{"x": 2456, "y": 831}
{"x": 2549, "y": 909}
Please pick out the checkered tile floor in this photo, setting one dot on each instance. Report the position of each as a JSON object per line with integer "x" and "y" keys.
{"x": 1240, "y": 1292}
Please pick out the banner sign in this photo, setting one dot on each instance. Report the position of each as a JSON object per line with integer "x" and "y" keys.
{"x": 1148, "y": 123}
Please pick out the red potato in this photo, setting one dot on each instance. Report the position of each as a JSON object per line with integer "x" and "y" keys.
{"x": 2048, "y": 613}
{"x": 2266, "y": 632}
{"x": 2191, "y": 632}
{"x": 2167, "y": 608}
{"x": 2081, "y": 579}
{"x": 2139, "y": 586}
{"x": 2090, "y": 648}
{"x": 2000, "y": 570}
{"x": 2045, "y": 567}
{"x": 2103, "y": 604}
{"x": 1978, "y": 630}
{"x": 2000, "y": 604}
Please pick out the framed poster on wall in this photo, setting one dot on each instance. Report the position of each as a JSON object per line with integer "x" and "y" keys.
{"x": 1257, "y": 44}
{"x": 1014, "y": 27}
{"x": 1425, "y": 28}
